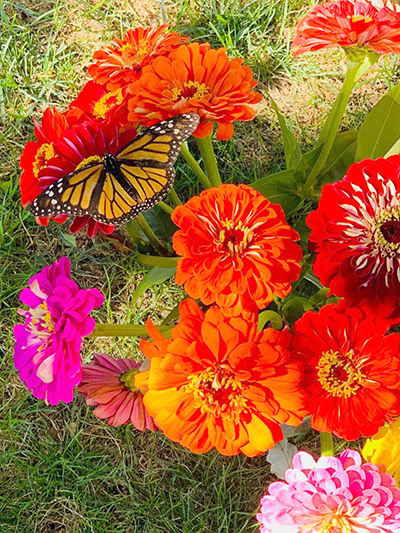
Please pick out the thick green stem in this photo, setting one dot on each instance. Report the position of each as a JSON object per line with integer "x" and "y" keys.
{"x": 326, "y": 444}
{"x": 191, "y": 161}
{"x": 208, "y": 155}
{"x": 165, "y": 207}
{"x": 174, "y": 197}
{"x": 151, "y": 236}
{"x": 124, "y": 330}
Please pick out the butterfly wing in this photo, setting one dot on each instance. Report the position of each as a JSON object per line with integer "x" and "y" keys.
{"x": 143, "y": 175}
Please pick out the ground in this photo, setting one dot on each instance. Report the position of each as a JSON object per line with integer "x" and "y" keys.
{"x": 61, "y": 469}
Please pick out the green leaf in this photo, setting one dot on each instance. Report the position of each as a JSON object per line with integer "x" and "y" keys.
{"x": 291, "y": 147}
{"x": 157, "y": 261}
{"x": 319, "y": 296}
{"x": 160, "y": 222}
{"x": 281, "y": 188}
{"x": 341, "y": 156}
{"x": 381, "y": 127}
{"x": 295, "y": 308}
{"x": 270, "y": 316}
{"x": 155, "y": 276}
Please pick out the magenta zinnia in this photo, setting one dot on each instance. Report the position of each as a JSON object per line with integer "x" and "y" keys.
{"x": 331, "y": 495}
{"x": 47, "y": 348}
{"x": 109, "y": 384}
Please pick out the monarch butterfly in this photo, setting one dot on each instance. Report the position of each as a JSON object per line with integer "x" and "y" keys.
{"x": 119, "y": 187}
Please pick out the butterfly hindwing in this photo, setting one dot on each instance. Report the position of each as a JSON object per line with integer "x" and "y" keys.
{"x": 140, "y": 175}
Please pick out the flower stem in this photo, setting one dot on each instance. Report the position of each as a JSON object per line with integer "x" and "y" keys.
{"x": 191, "y": 161}
{"x": 151, "y": 236}
{"x": 124, "y": 330}
{"x": 210, "y": 162}
{"x": 326, "y": 444}
{"x": 174, "y": 197}
{"x": 165, "y": 207}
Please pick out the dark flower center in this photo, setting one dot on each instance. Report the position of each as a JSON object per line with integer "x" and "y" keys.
{"x": 391, "y": 231}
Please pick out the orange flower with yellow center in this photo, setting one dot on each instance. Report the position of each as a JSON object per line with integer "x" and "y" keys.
{"x": 221, "y": 383}
{"x": 195, "y": 78}
{"x": 43, "y": 156}
{"x": 237, "y": 249}
{"x": 108, "y": 102}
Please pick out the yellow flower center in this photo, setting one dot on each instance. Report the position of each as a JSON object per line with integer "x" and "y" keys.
{"x": 340, "y": 374}
{"x": 89, "y": 161}
{"x": 107, "y": 102}
{"x": 41, "y": 323}
{"x": 359, "y": 18}
{"x": 133, "y": 55}
{"x": 335, "y": 524}
{"x": 128, "y": 379}
{"x": 234, "y": 238}
{"x": 217, "y": 391}
{"x": 193, "y": 90}
{"x": 43, "y": 156}
{"x": 387, "y": 232}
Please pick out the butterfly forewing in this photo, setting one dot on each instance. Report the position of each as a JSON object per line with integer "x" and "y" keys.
{"x": 142, "y": 174}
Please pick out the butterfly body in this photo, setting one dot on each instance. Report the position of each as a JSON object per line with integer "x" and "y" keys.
{"x": 113, "y": 189}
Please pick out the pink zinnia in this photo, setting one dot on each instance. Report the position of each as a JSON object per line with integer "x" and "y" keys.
{"x": 109, "y": 384}
{"x": 373, "y": 25}
{"x": 47, "y": 348}
{"x": 335, "y": 495}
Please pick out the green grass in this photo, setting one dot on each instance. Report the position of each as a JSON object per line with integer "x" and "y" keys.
{"x": 62, "y": 470}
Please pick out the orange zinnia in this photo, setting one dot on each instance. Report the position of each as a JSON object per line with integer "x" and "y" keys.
{"x": 195, "y": 78}
{"x": 237, "y": 249}
{"x": 221, "y": 383}
{"x": 122, "y": 61}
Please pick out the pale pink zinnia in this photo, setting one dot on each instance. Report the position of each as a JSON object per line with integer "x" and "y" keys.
{"x": 331, "y": 495}
{"x": 109, "y": 384}
{"x": 47, "y": 349}
{"x": 370, "y": 25}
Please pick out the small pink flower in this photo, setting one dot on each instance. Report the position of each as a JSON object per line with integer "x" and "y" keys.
{"x": 109, "y": 384}
{"x": 331, "y": 495}
{"x": 48, "y": 345}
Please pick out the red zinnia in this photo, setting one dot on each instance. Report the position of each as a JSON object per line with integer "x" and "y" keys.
{"x": 121, "y": 63}
{"x": 356, "y": 234}
{"x": 370, "y": 24}
{"x": 236, "y": 247}
{"x": 221, "y": 383}
{"x": 351, "y": 370}
{"x": 195, "y": 78}
{"x": 109, "y": 384}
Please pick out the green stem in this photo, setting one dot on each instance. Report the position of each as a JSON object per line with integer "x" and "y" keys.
{"x": 191, "y": 161}
{"x": 174, "y": 197}
{"x": 208, "y": 155}
{"x": 330, "y": 129}
{"x": 151, "y": 236}
{"x": 165, "y": 207}
{"x": 124, "y": 330}
{"x": 326, "y": 444}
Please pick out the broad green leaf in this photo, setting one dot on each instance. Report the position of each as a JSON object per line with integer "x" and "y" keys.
{"x": 342, "y": 155}
{"x": 381, "y": 127}
{"x": 319, "y": 296}
{"x": 160, "y": 222}
{"x": 127, "y": 330}
{"x": 155, "y": 276}
{"x": 270, "y": 316}
{"x": 295, "y": 308}
{"x": 280, "y": 457}
{"x": 291, "y": 147}
{"x": 157, "y": 261}
{"x": 281, "y": 188}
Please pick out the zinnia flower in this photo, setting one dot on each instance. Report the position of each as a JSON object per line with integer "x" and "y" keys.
{"x": 121, "y": 62}
{"x": 370, "y": 25}
{"x": 384, "y": 449}
{"x": 356, "y": 234}
{"x": 109, "y": 384}
{"x": 351, "y": 370}
{"x": 331, "y": 495}
{"x": 221, "y": 383}
{"x": 48, "y": 345}
{"x": 237, "y": 249}
{"x": 195, "y": 78}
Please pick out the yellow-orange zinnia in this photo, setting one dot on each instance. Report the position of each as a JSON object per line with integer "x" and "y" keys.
{"x": 221, "y": 383}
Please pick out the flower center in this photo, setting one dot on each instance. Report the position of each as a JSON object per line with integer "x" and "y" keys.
{"x": 387, "y": 232}
{"x": 107, "y": 102}
{"x": 43, "y": 156}
{"x": 339, "y": 373}
{"x": 233, "y": 239}
{"x": 193, "y": 90}
{"x": 89, "y": 161}
{"x": 41, "y": 323}
{"x": 361, "y": 18}
{"x": 128, "y": 379}
{"x": 217, "y": 391}
{"x": 133, "y": 55}
{"x": 335, "y": 524}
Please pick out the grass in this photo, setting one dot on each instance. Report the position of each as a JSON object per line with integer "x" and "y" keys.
{"x": 62, "y": 470}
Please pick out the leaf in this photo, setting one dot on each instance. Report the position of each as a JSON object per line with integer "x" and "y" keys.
{"x": 381, "y": 127}
{"x": 158, "y": 261}
{"x": 281, "y": 188}
{"x": 341, "y": 156}
{"x": 155, "y": 276}
{"x": 272, "y": 317}
{"x": 294, "y": 308}
{"x": 292, "y": 431}
{"x": 160, "y": 222}
{"x": 280, "y": 457}
{"x": 291, "y": 147}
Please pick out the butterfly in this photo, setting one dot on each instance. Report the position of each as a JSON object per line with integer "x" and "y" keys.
{"x": 119, "y": 187}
